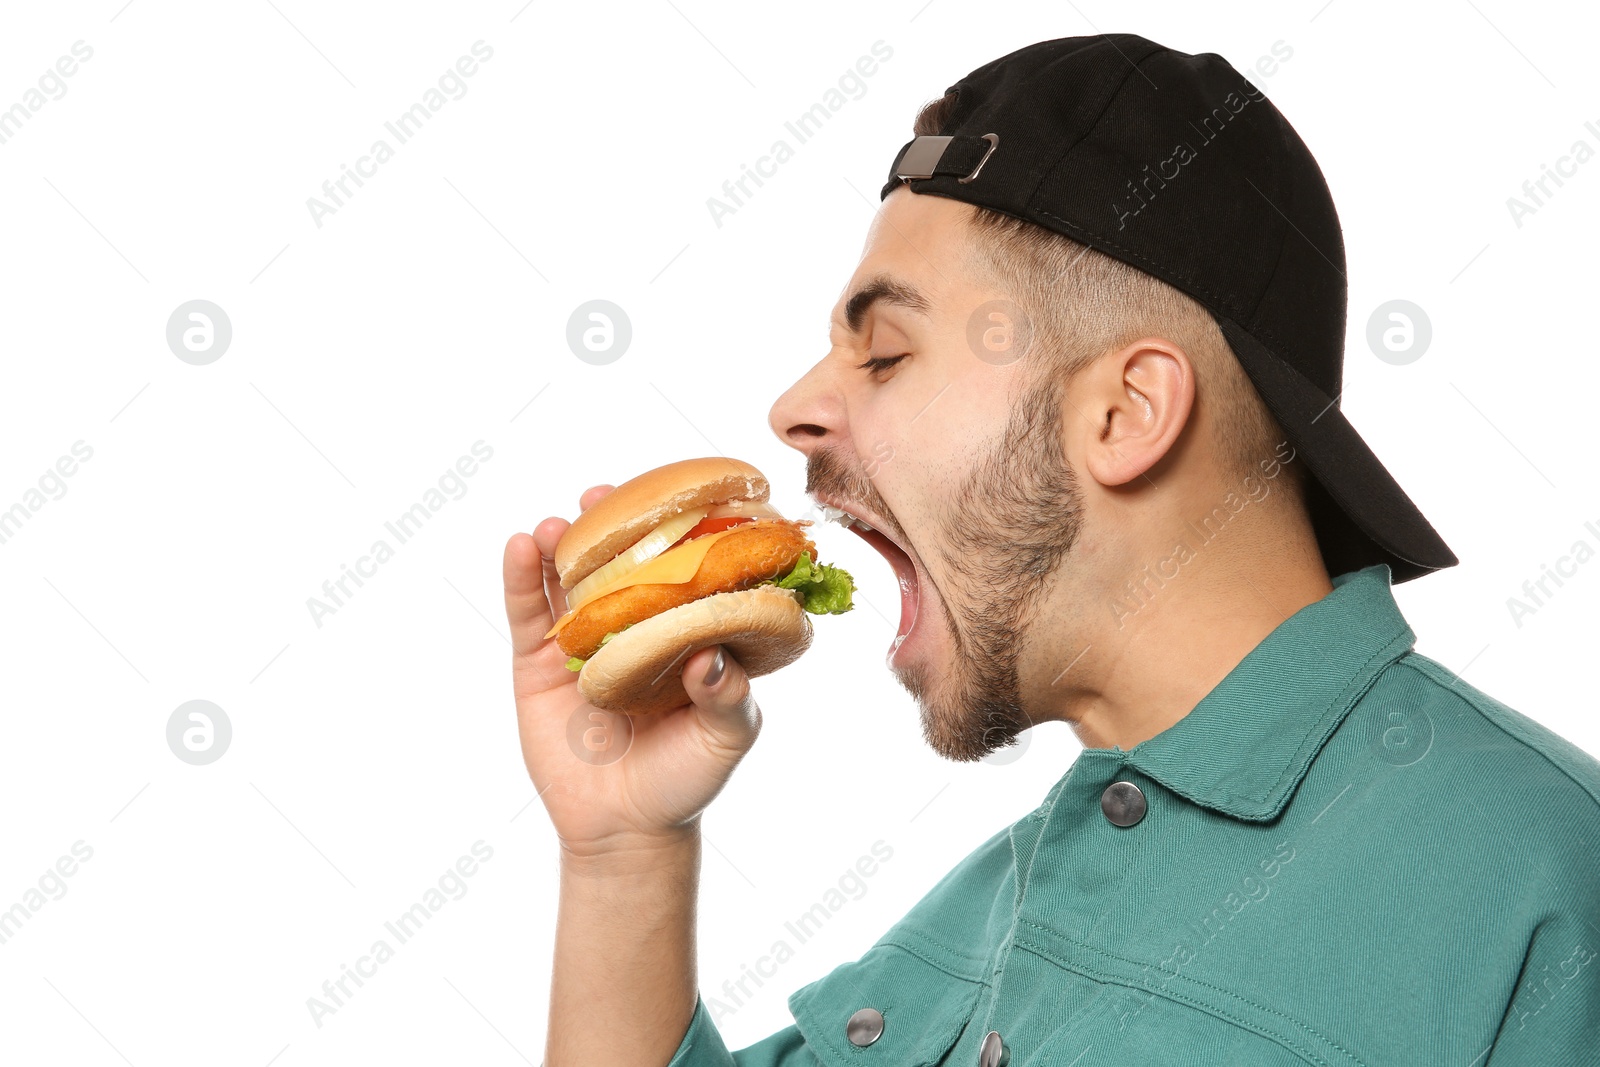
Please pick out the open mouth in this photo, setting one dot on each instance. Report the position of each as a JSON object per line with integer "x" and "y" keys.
{"x": 906, "y": 572}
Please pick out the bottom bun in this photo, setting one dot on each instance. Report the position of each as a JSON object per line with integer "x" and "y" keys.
{"x": 640, "y": 671}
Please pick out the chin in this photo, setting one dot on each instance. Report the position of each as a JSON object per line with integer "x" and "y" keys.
{"x": 968, "y": 710}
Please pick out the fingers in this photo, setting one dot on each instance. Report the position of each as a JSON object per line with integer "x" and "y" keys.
{"x": 546, "y": 535}
{"x": 534, "y": 597}
{"x": 724, "y": 699}
{"x": 592, "y": 494}
{"x": 527, "y": 607}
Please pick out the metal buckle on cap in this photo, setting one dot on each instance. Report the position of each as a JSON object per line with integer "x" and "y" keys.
{"x": 922, "y": 158}
{"x": 994, "y": 142}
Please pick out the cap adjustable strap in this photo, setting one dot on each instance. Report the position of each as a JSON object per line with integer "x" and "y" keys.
{"x": 928, "y": 155}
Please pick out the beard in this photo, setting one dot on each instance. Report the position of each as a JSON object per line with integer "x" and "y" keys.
{"x": 1013, "y": 518}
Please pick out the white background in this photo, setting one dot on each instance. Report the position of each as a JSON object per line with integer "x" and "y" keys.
{"x": 429, "y": 312}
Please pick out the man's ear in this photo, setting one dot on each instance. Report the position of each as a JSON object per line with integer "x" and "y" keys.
{"x": 1141, "y": 396}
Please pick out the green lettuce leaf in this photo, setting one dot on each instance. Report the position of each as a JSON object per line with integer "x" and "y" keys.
{"x": 827, "y": 589}
{"x": 576, "y": 664}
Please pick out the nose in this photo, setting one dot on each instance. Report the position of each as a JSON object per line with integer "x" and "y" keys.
{"x": 810, "y": 414}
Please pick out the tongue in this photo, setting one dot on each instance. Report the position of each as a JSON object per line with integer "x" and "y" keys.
{"x": 905, "y": 574}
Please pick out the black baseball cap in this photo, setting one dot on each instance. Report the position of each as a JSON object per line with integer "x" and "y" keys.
{"x": 1179, "y": 166}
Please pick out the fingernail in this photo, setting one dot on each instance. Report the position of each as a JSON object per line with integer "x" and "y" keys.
{"x": 714, "y": 675}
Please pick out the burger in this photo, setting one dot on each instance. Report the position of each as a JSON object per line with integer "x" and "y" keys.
{"x": 680, "y": 558}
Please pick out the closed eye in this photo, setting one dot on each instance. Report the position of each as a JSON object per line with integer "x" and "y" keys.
{"x": 878, "y": 363}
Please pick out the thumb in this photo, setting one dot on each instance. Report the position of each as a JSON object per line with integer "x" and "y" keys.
{"x": 720, "y": 690}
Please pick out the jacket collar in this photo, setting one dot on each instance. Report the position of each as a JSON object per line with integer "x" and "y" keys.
{"x": 1247, "y": 744}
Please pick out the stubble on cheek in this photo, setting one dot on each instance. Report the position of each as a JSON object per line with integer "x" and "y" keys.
{"x": 1015, "y": 517}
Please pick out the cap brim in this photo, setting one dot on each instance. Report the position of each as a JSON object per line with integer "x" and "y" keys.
{"x": 1360, "y": 513}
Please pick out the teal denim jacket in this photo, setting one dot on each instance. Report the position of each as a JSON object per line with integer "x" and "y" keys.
{"x": 1349, "y": 856}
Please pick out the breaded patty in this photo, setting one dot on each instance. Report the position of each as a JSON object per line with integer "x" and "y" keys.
{"x": 748, "y": 556}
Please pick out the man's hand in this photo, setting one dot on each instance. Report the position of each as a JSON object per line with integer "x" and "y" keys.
{"x": 678, "y": 760}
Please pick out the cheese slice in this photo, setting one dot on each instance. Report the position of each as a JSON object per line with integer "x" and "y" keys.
{"x": 673, "y": 567}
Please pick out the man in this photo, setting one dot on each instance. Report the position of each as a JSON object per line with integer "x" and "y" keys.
{"x": 1085, "y": 382}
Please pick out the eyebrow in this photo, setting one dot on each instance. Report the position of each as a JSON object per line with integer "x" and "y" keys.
{"x": 886, "y": 289}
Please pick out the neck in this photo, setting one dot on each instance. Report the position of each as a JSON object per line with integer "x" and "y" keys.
{"x": 1170, "y": 641}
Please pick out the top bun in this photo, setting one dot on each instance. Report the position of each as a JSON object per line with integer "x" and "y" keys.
{"x": 639, "y": 504}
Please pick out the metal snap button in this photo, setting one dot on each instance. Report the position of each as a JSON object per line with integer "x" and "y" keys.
{"x": 864, "y": 1027}
{"x": 994, "y": 1052}
{"x": 1123, "y": 803}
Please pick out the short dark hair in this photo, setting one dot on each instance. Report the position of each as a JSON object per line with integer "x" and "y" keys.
{"x": 1082, "y": 304}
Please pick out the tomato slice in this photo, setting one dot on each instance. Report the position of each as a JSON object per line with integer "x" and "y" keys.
{"x": 706, "y": 526}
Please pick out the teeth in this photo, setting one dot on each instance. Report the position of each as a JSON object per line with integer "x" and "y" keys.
{"x": 842, "y": 518}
